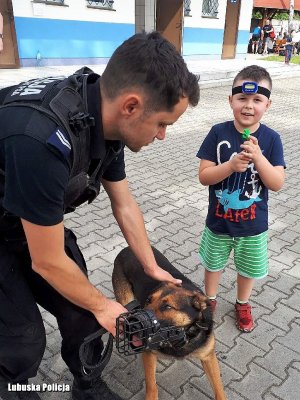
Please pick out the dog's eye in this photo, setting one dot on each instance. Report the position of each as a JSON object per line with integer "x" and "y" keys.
{"x": 166, "y": 307}
{"x": 148, "y": 300}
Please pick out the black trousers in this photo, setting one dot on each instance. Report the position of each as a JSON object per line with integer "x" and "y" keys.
{"x": 22, "y": 333}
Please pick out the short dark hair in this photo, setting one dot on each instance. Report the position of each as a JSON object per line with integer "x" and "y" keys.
{"x": 151, "y": 63}
{"x": 254, "y": 73}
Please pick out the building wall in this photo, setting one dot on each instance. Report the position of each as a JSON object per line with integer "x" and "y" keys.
{"x": 244, "y": 28}
{"x": 71, "y": 34}
{"x": 76, "y": 34}
{"x": 203, "y": 37}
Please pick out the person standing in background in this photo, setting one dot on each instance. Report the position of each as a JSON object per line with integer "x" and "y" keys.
{"x": 255, "y": 38}
{"x": 268, "y": 36}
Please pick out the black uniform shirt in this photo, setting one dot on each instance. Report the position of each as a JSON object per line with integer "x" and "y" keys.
{"x": 35, "y": 176}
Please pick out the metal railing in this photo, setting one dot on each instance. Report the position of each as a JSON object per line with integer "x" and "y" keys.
{"x": 101, "y": 3}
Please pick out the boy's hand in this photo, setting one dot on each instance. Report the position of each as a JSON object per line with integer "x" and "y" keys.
{"x": 251, "y": 150}
{"x": 239, "y": 163}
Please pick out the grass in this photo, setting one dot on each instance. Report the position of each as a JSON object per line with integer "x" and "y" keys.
{"x": 294, "y": 60}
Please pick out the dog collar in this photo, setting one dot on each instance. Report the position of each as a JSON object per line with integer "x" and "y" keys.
{"x": 251, "y": 88}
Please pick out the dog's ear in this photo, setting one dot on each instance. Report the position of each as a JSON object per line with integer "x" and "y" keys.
{"x": 199, "y": 301}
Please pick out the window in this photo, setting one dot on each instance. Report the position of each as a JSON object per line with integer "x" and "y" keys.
{"x": 106, "y": 4}
{"x": 210, "y": 8}
{"x": 187, "y": 8}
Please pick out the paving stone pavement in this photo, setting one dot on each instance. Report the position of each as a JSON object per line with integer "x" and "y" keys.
{"x": 263, "y": 364}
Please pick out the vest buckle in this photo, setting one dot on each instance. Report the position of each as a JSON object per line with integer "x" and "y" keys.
{"x": 80, "y": 122}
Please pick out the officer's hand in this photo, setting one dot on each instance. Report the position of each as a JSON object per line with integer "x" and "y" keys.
{"x": 108, "y": 313}
{"x": 161, "y": 275}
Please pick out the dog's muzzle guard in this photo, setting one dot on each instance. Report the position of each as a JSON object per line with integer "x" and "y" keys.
{"x": 139, "y": 330}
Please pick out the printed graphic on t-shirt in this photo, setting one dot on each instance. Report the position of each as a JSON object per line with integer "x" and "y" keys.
{"x": 239, "y": 191}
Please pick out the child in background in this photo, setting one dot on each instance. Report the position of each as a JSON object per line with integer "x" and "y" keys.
{"x": 239, "y": 173}
{"x": 288, "y": 50}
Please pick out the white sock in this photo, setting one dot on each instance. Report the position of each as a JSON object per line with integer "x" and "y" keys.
{"x": 241, "y": 302}
{"x": 212, "y": 297}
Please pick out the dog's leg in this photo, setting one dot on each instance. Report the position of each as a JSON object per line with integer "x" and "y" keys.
{"x": 149, "y": 361}
{"x": 211, "y": 367}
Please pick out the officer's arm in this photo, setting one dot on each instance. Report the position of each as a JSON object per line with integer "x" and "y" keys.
{"x": 131, "y": 222}
{"x": 46, "y": 246}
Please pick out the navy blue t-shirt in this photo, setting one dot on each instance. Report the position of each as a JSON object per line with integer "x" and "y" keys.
{"x": 238, "y": 206}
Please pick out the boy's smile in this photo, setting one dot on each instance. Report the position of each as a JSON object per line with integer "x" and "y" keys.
{"x": 248, "y": 109}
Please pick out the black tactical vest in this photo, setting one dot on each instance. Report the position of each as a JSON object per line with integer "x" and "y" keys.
{"x": 63, "y": 100}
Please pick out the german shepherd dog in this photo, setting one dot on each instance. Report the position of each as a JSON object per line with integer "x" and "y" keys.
{"x": 181, "y": 306}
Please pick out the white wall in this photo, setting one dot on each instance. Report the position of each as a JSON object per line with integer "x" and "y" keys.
{"x": 245, "y": 15}
{"x": 197, "y": 21}
{"x": 77, "y": 10}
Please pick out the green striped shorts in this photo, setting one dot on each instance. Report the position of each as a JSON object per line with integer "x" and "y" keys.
{"x": 250, "y": 253}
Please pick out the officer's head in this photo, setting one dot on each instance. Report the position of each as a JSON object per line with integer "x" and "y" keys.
{"x": 149, "y": 84}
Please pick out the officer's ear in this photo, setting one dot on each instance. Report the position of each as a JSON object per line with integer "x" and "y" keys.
{"x": 132, "y": 104}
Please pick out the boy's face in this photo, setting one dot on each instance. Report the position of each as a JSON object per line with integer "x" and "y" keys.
{"x": 248, "y": 109}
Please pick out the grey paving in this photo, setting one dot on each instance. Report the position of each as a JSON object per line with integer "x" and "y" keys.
{"x": 264, "y": 364}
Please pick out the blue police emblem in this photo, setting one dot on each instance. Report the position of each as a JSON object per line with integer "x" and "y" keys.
{"x": 60, "y": 140}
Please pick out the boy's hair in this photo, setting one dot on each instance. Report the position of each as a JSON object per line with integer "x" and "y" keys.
{"x": 150, "y": 63}
{"x": 253, "y": 73}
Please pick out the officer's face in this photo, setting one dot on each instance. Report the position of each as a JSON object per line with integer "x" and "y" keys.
{"x": 143, "y": 128}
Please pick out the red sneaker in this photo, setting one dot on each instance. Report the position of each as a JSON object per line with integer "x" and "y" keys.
{"x": 213, "y": 304}
{"x": 244, "y": 320}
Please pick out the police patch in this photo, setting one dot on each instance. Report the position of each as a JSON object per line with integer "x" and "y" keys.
{"x": 60, "y": 140}
{"x": 34, "y": 89}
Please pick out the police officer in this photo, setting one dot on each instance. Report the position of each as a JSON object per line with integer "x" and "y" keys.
{"x": 145, "y": 87}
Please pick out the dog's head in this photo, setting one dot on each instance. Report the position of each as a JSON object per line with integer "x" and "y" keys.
{"x": 179, "y": 305}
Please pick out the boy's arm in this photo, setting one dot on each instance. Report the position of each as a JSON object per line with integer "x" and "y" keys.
{"x": 210, "y": 173}
{"x": 272, "y": 176}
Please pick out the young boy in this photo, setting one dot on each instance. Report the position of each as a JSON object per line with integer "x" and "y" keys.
{"x": 239, "y": 170}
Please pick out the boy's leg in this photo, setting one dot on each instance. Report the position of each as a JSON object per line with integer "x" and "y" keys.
{"x": 211, "y": 280}
{"x": 244, "y": 288}
{"x": 251, "y": 260}
{"x": 214, "y": 252}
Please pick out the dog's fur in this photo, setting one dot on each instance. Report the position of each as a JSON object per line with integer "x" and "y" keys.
{"x": 175, "y": 305}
